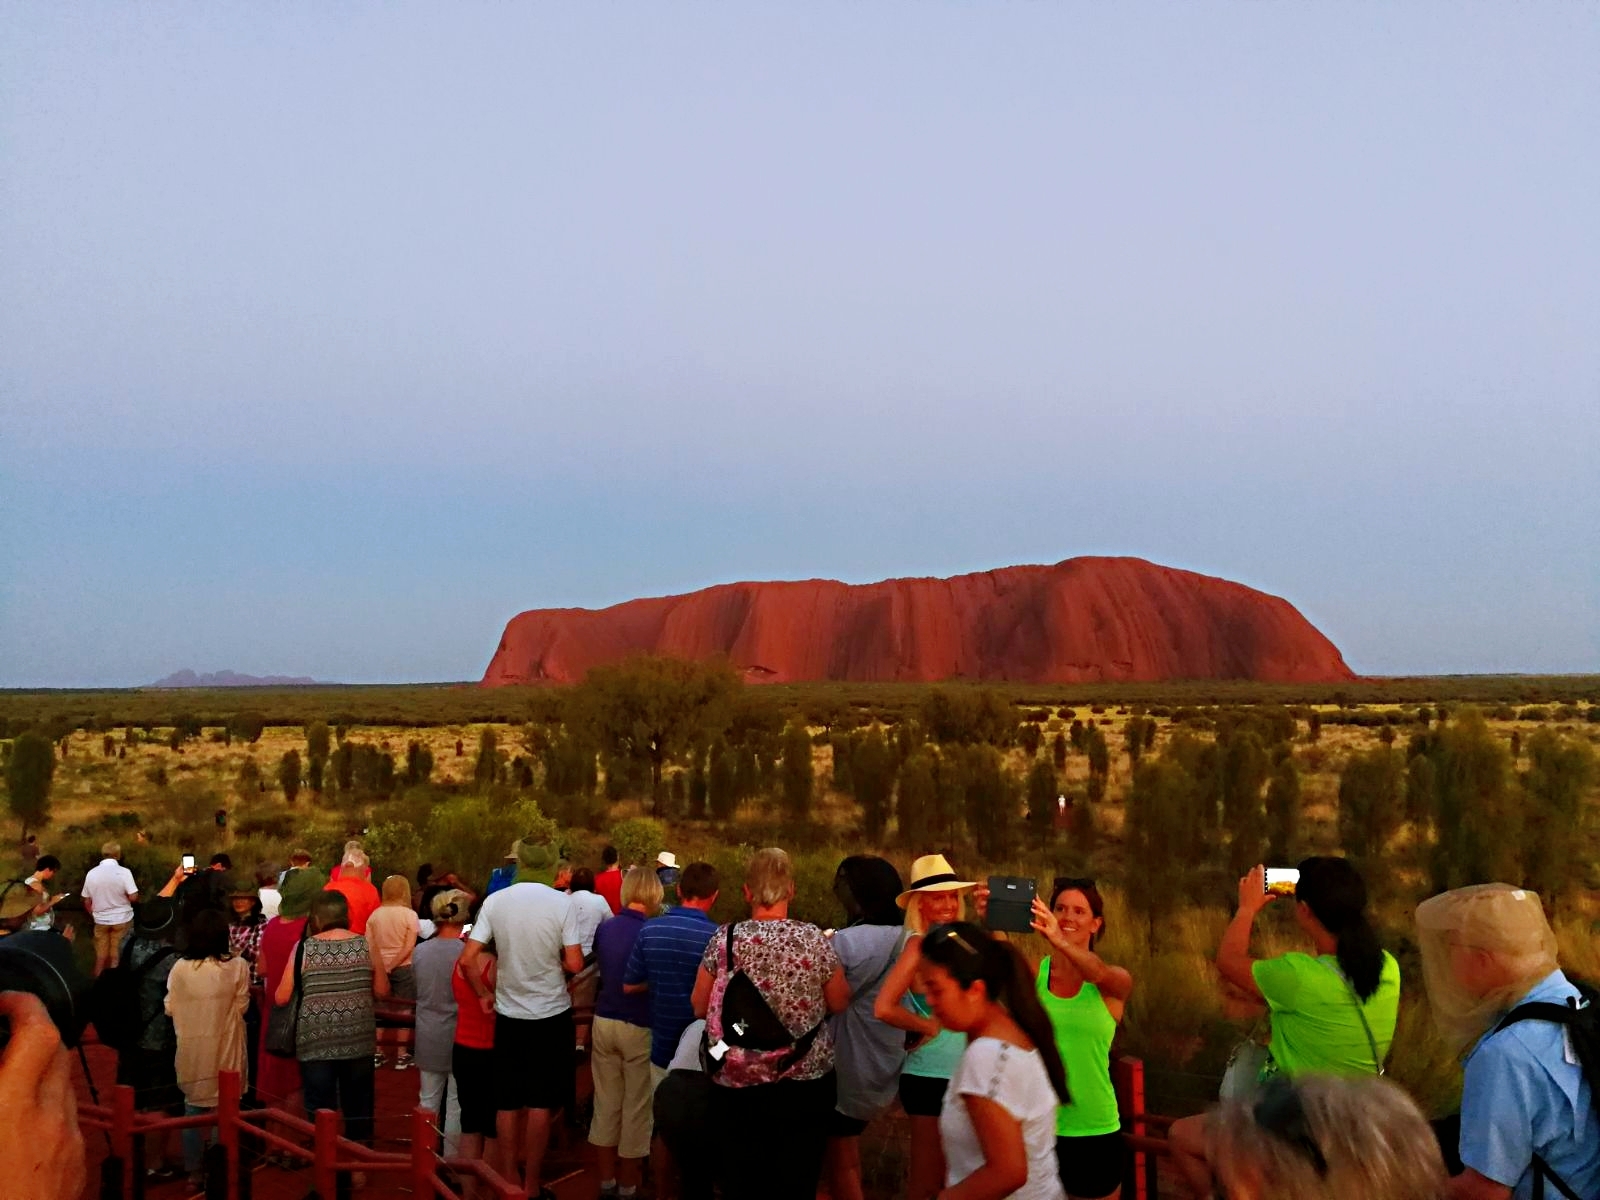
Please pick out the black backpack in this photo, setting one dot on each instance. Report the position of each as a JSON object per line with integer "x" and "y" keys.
{"x": 1580, "y": 1018}
{"x": 114, "y": 1003}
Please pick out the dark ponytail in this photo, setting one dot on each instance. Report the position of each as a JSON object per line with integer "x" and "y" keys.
{"x": 1337, "y": 896}
{"x": 970, "y": 954}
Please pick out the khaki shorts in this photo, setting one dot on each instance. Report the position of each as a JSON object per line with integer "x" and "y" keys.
{"x": 108, "y": 939}
{"x": 619, "y": 1061}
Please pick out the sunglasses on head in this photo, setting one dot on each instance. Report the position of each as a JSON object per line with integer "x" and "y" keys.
{"x": 1072, "y": 883}
{"x": 949, "y": 933}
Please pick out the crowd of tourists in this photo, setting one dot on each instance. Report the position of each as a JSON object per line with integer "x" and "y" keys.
{"x": 749, "y": 1059}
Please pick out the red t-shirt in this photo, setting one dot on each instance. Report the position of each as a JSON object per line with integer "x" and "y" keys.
{"x": 362, "y": 898}
{"x": 474, "y": 1027}
{"x": 608, "y": 885}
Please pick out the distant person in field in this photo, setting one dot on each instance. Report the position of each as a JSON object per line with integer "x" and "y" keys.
{"x": 109, "y": 893}
{"x": 1320, "y": 1137}
{"x": 351, "y": 879}
{"x": 1333, "y": 1013}
{"x": 535, "y": 932}
{"x": 608, "y": 882}
{"x": 1084, "y": 996}
{"x": 1528, "y": 1120}
{"x": 867, "y": 1053}
{"x": 936, "y": 896}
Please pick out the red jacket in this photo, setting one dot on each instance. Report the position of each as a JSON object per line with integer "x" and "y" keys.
{"x": 608, "y": 883}
{"x": 362, "y": 897}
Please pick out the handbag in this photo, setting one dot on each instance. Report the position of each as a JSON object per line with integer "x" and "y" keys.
{"x": 283, "y": 1021}
{"x": 1246, "y": 1065}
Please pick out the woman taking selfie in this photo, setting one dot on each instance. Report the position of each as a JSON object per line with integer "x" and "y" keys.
{"x": 935, "y": 897}
{"x": 1084, "y": 997}
{"x": 998, "y": 1123}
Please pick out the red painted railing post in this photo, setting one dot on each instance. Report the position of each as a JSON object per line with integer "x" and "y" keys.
{"x": 228, "y": 1091}
{"x": 424, "y": 1163}
{"x": 122, "y": 1115}
{"x": 323, "y": 1176}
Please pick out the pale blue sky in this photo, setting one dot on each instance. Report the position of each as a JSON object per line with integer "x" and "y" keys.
{"x": 333, "y": 336}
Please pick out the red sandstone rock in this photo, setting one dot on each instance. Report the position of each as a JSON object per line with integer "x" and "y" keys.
{"x": 1082, "y": 620}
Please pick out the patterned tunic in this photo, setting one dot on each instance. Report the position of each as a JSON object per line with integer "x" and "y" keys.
{"x": 336, "y": 1018}
{"x": 789, "y": 962}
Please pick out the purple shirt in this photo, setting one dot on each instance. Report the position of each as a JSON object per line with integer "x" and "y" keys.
{"x": 613, "y": 943}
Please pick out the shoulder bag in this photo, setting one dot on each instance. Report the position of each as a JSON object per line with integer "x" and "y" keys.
{"x": 283, "y": 1020}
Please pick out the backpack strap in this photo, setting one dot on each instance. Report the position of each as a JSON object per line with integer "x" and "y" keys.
{"x": 1541, "y": 1172}
{"x": 1542, "y": 1010}
{"x": 731, "y": 924}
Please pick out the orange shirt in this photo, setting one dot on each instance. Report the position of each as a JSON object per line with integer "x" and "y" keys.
{"x": 362, "y": 897}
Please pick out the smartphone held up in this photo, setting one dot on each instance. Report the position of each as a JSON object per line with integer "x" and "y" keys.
{"x": 1281, "y": 881}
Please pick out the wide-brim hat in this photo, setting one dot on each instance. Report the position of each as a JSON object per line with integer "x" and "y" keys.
{"x": 300, "y": 887}
{"x": 667, "y": 859}
{"x": 933, "y": 873}
{"x": 244, "y": 889}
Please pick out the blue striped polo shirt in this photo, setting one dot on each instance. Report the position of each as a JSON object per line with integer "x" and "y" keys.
{"x": 667, "y": 955}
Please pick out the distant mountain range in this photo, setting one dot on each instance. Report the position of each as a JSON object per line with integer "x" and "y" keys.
{"x": 231, "y": 679}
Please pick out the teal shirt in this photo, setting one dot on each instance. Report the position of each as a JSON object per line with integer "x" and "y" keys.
{"x": 1084, "y": 1029}
{"x": 937, "y": 1058}
{"x": 1315, "y": 1024}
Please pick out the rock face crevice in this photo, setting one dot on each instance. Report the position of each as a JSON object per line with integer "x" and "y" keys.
{"x": 1085, "y": 620}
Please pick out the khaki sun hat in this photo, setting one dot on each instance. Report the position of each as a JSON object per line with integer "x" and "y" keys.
{"x": 933, "y": 873}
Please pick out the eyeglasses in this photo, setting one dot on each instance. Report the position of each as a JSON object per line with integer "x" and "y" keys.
{"x": 1280, "y": 1112}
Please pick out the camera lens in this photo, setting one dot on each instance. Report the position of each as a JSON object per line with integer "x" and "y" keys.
{"x": 42, "y": 963}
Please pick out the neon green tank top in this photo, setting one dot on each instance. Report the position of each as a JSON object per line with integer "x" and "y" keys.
{"x": 1084, "y": 1029}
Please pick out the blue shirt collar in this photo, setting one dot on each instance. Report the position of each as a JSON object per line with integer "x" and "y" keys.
{"x": 1554, "y": 988}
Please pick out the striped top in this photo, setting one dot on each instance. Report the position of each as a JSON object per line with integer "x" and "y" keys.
{"x": 336, "y": 1018}
{"x": 666, "y": 955}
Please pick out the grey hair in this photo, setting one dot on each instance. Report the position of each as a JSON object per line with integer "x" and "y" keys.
{"x": 769, "y": 877}
{"x": 1376, "y": 1142}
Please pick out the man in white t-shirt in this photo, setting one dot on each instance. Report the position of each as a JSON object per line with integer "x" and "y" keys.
{"x": 108, "y": 896}
{"x": 536, "y": 934}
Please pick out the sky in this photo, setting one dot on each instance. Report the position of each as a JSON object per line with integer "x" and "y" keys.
{"x": 331, "y": 337}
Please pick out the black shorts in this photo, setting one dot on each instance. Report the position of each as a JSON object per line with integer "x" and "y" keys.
{"x": 922, "y": 1096}
{"x": 536, "y": 1062}
{"x": 477, "y": 1090}
{"x": 841, "y": 1126}
{"x": 1092, "y": 1166}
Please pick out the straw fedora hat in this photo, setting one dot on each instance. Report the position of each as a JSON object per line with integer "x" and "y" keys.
{"x": 933, "y": 873}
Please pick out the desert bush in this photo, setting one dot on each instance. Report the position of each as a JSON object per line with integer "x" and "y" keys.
{"x": 394, "y": 848}
{"x": 1560, "y": 772}
{"x": 1534, "y": 714}
{"x": 638, "y": 840}
{"x": 473, "y": 833}
{"x": 798, "y": 778}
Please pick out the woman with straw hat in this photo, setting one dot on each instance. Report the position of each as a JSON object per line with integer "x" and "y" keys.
{"x": 935, "y": 897}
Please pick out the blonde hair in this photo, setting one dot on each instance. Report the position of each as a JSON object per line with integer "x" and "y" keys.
{"x": 397, "y": 890}
{"x": 354, "y": 855}
{"x": 111, "y": 850}
{"x": 451, "y": 908}
{"x": 769, "y": 877}
{"x": 1374, "y": 1139}
{"x": 641, "y": 885}
{"x": 916, "y": 922}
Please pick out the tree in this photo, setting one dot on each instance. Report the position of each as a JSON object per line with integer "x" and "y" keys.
{"x": 1099, "y": 754}
{"x": 1283, "y": 813}
{"x": 108, "y": 746}
{"x": 30, "y": 773}
{"x": 248, "y": 725}
{"x": 1138, "y": 735}
{"x": 991, "y": 802}
{"x": 797, "y": 776}
{"x": 1420, "y": 793}
{"x": 872, "y": 769}
{"x": 722, "y": 792}
{"x": 842, "y": 746}
{"x": 699, "y": 789}
{"x": 487, "y": 768}
{"x": 317, "y": 748}
{"x": 651, "y": 710}
{"x": 1042, "y": 793}
{"x": 248, "y": 782}
{"x": 916, "y": 799}
{"x": 1029, "y": 736}
{"x": 1370, "y": 807}
{"x": 968, "y": 717}
{"x": 1477, "y": 820}
{"x": 1160, "y": 800}
{"x": 1058, "y": 751}
{"x": 1314, "y": 726}
{"x": 419, "y": 763}
{"x": 1244, "y": 764}
{"x": 1560, "y": 772}
{"x": 569, "y": 765}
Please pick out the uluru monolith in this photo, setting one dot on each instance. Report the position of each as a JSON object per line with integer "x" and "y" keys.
{"x": 1082, "y": 620}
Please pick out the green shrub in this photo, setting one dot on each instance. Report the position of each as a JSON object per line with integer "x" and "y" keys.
{"x": 638, "y": 840}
